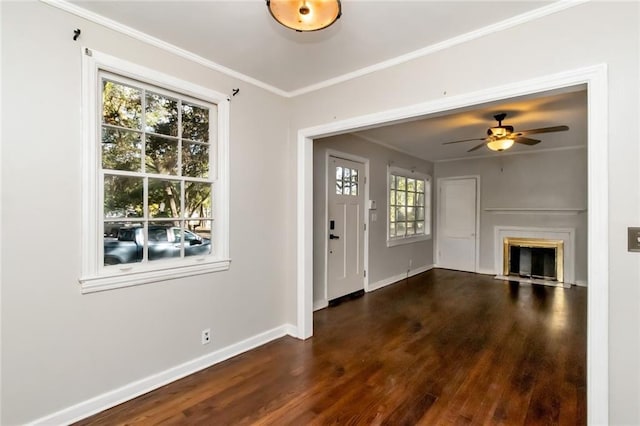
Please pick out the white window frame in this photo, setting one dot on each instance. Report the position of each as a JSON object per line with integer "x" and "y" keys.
{"x": 94, "y": 275}
{"x": 396, "y": 241}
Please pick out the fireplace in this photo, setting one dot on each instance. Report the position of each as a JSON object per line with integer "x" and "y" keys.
{"x": 535, "y": 258}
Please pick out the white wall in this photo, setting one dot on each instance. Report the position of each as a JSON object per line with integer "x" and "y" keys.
{"x": 384, "y": 262}
{"x": 584, "y": 35}
{"x": 59, "y": 347}
{"x": 551, "y": 180}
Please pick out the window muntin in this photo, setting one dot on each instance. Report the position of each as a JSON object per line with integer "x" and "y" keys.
{"x": 162, "y": 125}
{"x": 172, "y": 186}
{"x": 346, "y": 181}
{"x": 409, "y": 214}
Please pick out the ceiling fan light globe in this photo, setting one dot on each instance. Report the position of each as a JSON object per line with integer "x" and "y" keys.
{"x": 500, "y": 144}
{"x": 305, "y": 15}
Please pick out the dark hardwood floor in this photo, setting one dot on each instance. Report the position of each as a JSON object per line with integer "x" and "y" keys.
{"x": 443, "y": 347}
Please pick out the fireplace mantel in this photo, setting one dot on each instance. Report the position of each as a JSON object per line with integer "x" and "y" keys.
{"x": 567, "y": 235}
{"x": 535, "y": 210}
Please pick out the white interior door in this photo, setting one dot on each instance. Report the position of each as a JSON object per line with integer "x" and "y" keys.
{"x": 457, "y": 223}
{"x": 345, "y": 257}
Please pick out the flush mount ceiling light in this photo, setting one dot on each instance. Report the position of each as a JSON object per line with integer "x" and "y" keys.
{"x": 305, "y": 15}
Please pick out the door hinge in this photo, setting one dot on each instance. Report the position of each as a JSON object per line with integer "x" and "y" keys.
{"x": 365, "y": 226}
{"x": 365, "y": 274}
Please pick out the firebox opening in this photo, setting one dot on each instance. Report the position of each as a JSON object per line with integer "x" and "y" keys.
{"x": 533, "y": 262}
{"x": 534, "y": 258}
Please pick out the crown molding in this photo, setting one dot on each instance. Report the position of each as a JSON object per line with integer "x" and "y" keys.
{"x": 384, "y": 144}
{"x": 161, "y": 44}
{"x": 523, "y": 18}
{"x": 428, "y": 50}
{"x": 509, "y": 154}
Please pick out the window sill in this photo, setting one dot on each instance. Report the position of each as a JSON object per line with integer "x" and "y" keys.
{"x": 93, "y": 284}
{"x": 409, "y": 240}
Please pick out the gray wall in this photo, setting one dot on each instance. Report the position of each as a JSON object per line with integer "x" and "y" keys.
{"x": 561, "y": 42}
{"x": 59, "y": 347}
{"x": 552, "y": 179}
{"x": 384, "y": 262}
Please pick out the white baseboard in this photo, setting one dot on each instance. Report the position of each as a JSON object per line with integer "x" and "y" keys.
{"x": 387, "y": 281}
{"x": 581, "y": 283}
{"x": 486, "y": 272}
{"x": 127, "y": 392}
{"x": 320, "y": 304}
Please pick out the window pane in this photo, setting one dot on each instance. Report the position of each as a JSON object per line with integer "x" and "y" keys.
{"x": 111, "y": 228}
{"x": 392, "y": 214}
{"x": 122, "y": 196}
{"x": 411, "y": 198}
{"x": 420, "y": 185}
{"x": 339, "y": 187}
{"x": 195, "y": 160}
{"x": 163, "y": 243}
{"x": 420, "y": 227}
{"x": 197, "y": 237}
{"x": 164, "y": 198}
{"x": 346, "y": 190}
{"x": 419, "y": 199}
{"x": 392, "y": 198}
{"x": 162, "y": 155}
{"x": 121, "y": 150}
{"x": 402, "y": 182}
{"x": 347, "y": 173}
{"x": 400, "y": 229}
{"x": 401, "y": 198}
{"x": 411, "y": 214}
{"x": 411, "y": 184}
{"x": 393, "y": 182}
{"x": 401, "y": 214}
{"x": 198, "y": 202}
{"x": 419, "y": 213}
{"x": 392, "y": 230}
{"x": 411, "y": 230}
{"x": 161, "y": 114}
{"x": 354, "y": 188}
{"x": 123, "y": 243}
{"x": 354, "y": 175}
{"x": 338, "y": 173}
{"x": 195, "y": 123}
{"x": 121, "y": 105}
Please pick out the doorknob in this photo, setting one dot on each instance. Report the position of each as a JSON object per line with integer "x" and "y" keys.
{"x": 333, "y": 237}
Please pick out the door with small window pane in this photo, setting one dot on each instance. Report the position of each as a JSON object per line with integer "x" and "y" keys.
{"x": 345, "y": 230}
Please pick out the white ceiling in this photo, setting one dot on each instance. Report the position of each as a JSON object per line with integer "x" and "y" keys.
{"x": 241, "y": 36}
{"x": 424, "y": 137}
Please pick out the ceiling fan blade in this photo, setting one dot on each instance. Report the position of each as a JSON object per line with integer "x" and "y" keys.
{"x": 527, "y": 141}
{"x": 477, "y": 147}
{"x": 543, "y": 130}
{"x": 463, "y": 140}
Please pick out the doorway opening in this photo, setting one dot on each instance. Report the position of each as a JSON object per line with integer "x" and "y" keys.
{"x": 595, "y": 78}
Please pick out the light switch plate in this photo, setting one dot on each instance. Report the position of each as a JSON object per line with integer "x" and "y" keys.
{"x": 634, "y": 239}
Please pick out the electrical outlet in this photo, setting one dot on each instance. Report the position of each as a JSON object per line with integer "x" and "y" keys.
{"x": 206, "y": 336}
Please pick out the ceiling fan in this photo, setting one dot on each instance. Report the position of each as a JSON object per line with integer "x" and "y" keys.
{"x": 500, "y": 138}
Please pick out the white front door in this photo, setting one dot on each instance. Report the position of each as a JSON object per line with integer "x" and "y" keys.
{"x": 457, "y": 223}
{"x": 345, "y": 230}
